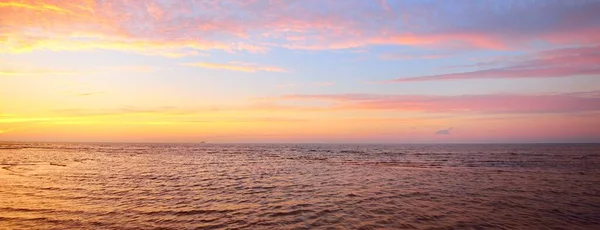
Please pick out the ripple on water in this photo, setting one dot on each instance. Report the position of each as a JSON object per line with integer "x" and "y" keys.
{"x": 71, "y": 186}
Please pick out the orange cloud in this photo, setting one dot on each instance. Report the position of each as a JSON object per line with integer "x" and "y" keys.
{"x": 11, "y": 68}
{"x": 27, "y": 26}
{"x": 237, "y": 66}
{"x": 35, "y": 6}
{"x": 172, "y": 49}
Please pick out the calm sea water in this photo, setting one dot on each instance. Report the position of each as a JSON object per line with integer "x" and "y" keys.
{"x": 289, "y": 186}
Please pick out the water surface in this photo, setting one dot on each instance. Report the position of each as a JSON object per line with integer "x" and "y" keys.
{"x": 291, "y": 186}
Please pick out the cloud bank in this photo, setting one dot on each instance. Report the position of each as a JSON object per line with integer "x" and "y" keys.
{"x": 186, "y": 27}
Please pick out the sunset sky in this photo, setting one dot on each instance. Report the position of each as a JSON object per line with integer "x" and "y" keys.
{"x": 414, "y": 71}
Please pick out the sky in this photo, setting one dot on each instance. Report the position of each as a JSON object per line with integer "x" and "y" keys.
{"x": 351, "y": 71}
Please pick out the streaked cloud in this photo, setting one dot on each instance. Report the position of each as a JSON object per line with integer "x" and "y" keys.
{"x": 20, "y": 69}
{"x": 134, "y": 69}
{"x": 20, "y": 119}
{"x": 569, "y": 62}
{"x": 88, "y": 94}
{"x": 35, "y": 6}
{"x": 486, "y": 103}
{"x": 400, "y": 56}
{"x": 237, "y": 66}
{"x": 133, "y": 120}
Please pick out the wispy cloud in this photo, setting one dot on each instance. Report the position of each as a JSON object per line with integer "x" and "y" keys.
{"x": 39, "y": 6}
{"x": 237, "y": 66}
{"x": 88, "y": 94}
{"x": 568, "y": 62}
{"x": 134, "y": 69}
{"x": 404, "y": 56}
{"x": 485, "y": 103}
{"x": 9, "y": 130}
{"x": 36, "y": 71}
{"x": 147, "y": 115}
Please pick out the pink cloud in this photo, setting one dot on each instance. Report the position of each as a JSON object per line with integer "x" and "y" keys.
{"x": 486, "y": 103}
{"x": 145, "y": 27}
{"x": 155, "y": 10}
{"x": 580, "y": 61}
{"x": 400, "y": 56}
{"x": 155, "y": 27}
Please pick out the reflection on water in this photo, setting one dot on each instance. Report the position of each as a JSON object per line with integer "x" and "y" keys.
{"x": 70, "y": 186}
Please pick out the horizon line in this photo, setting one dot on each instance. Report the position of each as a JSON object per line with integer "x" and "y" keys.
{"x": 319, "y": 143}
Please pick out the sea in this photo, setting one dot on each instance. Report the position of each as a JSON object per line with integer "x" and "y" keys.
{"x": 299, "y": 186}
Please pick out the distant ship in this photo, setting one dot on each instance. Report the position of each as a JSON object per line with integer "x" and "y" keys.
{"x": 203, "y": 142}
